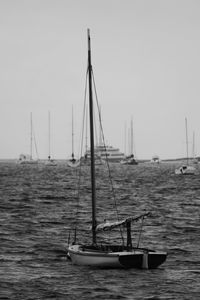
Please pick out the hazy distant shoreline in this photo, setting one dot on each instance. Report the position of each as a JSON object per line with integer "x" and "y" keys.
{"x": 174, "y": 160}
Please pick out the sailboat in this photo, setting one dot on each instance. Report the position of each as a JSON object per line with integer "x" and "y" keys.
{"x": 194, "y": 157}
{"x": 130, "y": 159}
{"x": 73, "y": 162}
{"x": 186, "y": 169}
{"x": 155, "y": 159}
{"x": 27, "y": 159}
{"x": 98, "y": 148}
{"x": 50, "y": 161}
{"x": 95, "y": 253}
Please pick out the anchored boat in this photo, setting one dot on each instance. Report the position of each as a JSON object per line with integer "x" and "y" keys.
{"x": 104, "y": 255}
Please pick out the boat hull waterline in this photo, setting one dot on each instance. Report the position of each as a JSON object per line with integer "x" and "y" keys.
{"x": 135, "y": 258}
{"x": 73, "y": 163}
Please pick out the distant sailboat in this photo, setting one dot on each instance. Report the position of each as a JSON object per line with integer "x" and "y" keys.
{"x": 186, "y": 169}
{"x": 85, "y": 160}
{"x": 155, "y": 159}
{"x": 50, "y": 161}
{"x": 73, "y": 162}
{"x": 97, "y": 253}
{"x": 194, "y": 157}
{"x": 130, "y": 159}
{"x": 27, "y": 159}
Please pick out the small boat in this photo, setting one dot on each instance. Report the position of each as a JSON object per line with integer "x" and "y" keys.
{"x": 130, "y": 159}
{"x": 155, "y": 159}
{"x": 85, "y": 160}
{"x": 50, "y": 162}
{"x": 27, "y": 159}
{"x": 73, "y": 162}
{"x": 103, "y": 255}
{"x": 186, "y": 169}
{"x": 109, "y": 153}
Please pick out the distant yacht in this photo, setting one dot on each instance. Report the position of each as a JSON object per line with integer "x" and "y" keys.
{"x": 85, "y": 160}
{"x": 50, "y": 161}
{"x": 73, "y": 162}
{"x": 110, "y": 153}
{"x": 130, "y": 159}
{"x": 155, "y": 159}
{"x": 186, "y": 169}
{"x": 28, "y": 158}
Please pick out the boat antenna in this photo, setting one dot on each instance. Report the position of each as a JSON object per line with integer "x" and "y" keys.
{"x": 92, "y": 143}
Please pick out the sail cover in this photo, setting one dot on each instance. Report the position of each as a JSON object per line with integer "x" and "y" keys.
{"x": 110, "y": 225}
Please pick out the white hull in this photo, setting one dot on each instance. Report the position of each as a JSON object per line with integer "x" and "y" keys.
{"x": 28, "y": 162}
{"x": 136, "y": 258}
{"x": 185, "y": 170}
{"x": 73, "y": 164}
{"x": 129, "y": 162}
{"x": 50, "y": 163}
{"x": 92, "y": 258}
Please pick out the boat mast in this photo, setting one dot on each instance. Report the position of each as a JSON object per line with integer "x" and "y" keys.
{"x": 193, "y": 145}
{"x": 86, "y": 134}
{"x": 31, "y": 143}
{"x": 125, "y": 132}
{"x": 49, "y": 157}
{"x": 72, "y": 134}
{"x": 100, "y": 132}
{"x": 131, "y": 136}
{"x": 186, "y": 131}
{"x": 92, "y": 143}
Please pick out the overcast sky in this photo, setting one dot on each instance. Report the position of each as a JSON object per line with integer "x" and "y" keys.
{"x": 146, "y": 63}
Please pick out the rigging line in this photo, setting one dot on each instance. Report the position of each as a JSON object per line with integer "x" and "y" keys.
{"x": 81, "y": 150}
{"x": 109, "y": 172}
{"x": 83, "y": 120}
{"x": 134, "y": 144}
{"x": 140, "y": 232}
{"x": 34, "y": 139}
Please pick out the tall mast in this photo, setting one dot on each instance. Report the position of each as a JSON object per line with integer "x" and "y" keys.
{"x": 131, "y": 136}
{"x": 49, "y": 157}
{"x": 86, "y": 135}
{"x": 186, "y": 131}
{"x": 193, "y": 145}
{"x": 125, "y": 132}
{"x": 72, "y": 134}
{"x": 92, "y": 143}
{"x": 100, "y": 132}
{"x": 31, "y": 142}
{"x": 86, "y": 130}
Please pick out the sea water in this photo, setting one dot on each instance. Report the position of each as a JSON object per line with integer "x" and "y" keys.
{"x": 39, "y": 206}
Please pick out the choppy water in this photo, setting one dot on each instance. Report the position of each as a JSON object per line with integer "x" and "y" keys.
{"x": 37, "y": 207}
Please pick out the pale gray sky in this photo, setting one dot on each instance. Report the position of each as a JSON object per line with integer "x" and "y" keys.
{"x": 146, "y": 62}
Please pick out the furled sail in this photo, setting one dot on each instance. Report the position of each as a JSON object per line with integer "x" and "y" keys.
{"x": 110, "y": 225}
